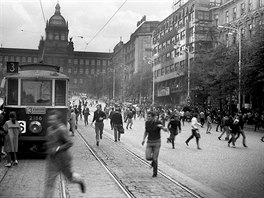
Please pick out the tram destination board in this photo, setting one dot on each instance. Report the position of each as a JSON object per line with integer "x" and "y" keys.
{"x": 36, "y": 110}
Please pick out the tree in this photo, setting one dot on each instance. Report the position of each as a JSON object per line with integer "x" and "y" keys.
{"x": 215, "y": 73}
{"x": 140, "y": 85}
{"x": 253, "y": 69}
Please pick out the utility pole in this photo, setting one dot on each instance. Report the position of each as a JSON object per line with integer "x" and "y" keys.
{"x": 114, "y": 82}
{"x": 237, "y": 30}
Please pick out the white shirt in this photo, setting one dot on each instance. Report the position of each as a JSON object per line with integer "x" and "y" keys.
{"x": 195, "y": 123}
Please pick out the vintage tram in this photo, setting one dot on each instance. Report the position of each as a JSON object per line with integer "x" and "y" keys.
{"x": 32, "y": 91}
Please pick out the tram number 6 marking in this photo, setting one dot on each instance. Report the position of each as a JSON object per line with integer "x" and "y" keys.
{"x": 22, "y": 125}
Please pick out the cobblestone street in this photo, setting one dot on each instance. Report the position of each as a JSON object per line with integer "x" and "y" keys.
{"x": 232, "y": 172}
{"x": 214, "y": 171}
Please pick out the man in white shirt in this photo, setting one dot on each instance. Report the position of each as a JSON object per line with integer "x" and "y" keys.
{"x": 195, "y": 131}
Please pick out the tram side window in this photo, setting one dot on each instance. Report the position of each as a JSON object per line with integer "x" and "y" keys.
{"x": 12, "y": 98}
{"x": 36, "y": 93}
{"x": 60, "y": 93}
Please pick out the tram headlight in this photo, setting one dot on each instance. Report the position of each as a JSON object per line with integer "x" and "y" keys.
{"x": 35, "y": 127}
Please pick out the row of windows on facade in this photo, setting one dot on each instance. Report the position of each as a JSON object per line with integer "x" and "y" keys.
{"x": 173, "y": 54}
{"x": 22, "y": 59}
{"x": 56, "y": 36}
{"x": 29, "y": 59}
{"x": 181, "y": 16}
{"x": 235, "y": 14}
{"x": 175, "y": 82}
{"x": 232, "y": 38}
{"x": 88, "y": 62}
{"x": 180, "y": 24}
{"x": 245, "y": 32}
{"x": 178, "y": 3}
{"x": 176, "y": 67}
{"x": 85, "y": 71}
{"x": 173, "y": 40}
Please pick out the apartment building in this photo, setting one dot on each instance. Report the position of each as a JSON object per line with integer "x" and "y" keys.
{"x": 234, "y": 18}
{"x": 131, "y": 58}
{"x": 174, "y": 43}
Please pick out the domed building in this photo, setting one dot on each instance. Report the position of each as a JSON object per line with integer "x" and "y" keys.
{"x": 56, "y": 48}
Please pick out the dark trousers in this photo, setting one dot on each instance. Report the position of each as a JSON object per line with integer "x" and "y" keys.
{"x": 183, "y": 119}
{"x": 99, "y": 128}
{"x": 173, "y": 134}
{"x": 116, "y": 132}
{"x": 232, "y": 139}
{"x": 194, "y": 134}
{"x": 243, "y": 135}
{"x": 202, "y": 121}
{"x": 217, "y": 126}
{"x": 85, "y": 120}
{"x": 11, "y": 157}
{"x": 152, "y": 153}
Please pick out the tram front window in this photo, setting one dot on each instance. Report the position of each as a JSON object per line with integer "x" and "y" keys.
{"x": 36, "y": 93}
{"x": 60, "y": 93}
{"x": 12, "y": 98}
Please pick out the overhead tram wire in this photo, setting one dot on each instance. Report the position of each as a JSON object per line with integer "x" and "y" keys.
{"x": 105, "y": 24}
{"x": 43, "y": 15}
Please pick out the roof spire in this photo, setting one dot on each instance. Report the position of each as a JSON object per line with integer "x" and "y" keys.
{"x": 57, "y": 8}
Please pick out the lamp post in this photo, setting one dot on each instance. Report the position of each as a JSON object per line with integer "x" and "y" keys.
{"x": 151, "y": 61}
{"x": 114, "y": 83}
{"x": 187, "y": 51}
{"x": 239, "y": 61}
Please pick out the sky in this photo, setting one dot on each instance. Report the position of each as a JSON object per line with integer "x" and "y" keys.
{"x": 22, "y": 23}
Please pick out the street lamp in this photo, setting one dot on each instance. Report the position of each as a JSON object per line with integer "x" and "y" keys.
{"x": 239, "y": 61}
{"x": 151, "y": 61}
{"x": 187, "y": 51}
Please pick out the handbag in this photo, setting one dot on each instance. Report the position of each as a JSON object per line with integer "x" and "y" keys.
{"x": 120, "y": 128}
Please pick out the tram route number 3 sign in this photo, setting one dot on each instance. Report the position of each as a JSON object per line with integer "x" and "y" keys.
{"x": 22, "y": 126}
{"x": 12, "y": 67}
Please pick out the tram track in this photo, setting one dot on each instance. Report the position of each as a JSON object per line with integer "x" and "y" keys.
{"x": 7, "y": 174}
{"x": 63, "y": 189}
{"x": 164, "y": 174}
{"x": 4, "y": 175}
{"x": 140, "y": 159}
{"x": 117, "y": 180}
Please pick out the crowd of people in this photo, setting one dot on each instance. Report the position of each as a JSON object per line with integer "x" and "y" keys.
{"x": 156, "y": 117}
{"x": 120, "y": 117}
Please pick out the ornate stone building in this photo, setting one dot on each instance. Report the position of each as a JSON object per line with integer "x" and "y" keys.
{"x": 84, "y": 68}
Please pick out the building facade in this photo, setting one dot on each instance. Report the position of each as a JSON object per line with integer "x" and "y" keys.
{"x": 237, "y": 20}
{"x": 85, "y": 69}
{"x": 174, "y": 44}
{"x": 192, "y": 26}
{"x": 131, "y": 60}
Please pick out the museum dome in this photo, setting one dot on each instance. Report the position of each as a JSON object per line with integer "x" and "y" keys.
{"x": 57, "y": 19}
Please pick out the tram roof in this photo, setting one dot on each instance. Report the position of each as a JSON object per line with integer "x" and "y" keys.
{"x": 38, "y": 70}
